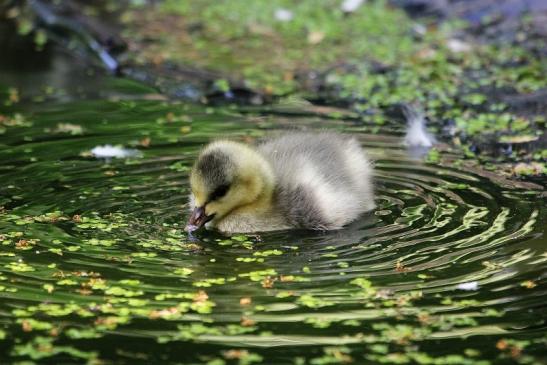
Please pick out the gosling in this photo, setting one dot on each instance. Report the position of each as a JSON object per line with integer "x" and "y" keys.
{"x": 316, "y": 181}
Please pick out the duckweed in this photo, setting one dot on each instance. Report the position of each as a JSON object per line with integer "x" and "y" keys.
{"x": 95, "y": 265}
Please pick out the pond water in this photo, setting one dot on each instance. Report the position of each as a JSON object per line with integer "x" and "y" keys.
{"x": 95, "y": 266}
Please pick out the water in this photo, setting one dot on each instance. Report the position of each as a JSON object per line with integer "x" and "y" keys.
{"x": 95, "y": 266}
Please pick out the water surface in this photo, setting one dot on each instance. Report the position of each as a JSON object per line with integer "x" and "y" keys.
{"x": 95, "y": 266}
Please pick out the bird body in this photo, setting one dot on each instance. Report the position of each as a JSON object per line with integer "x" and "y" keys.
{"x": 318, "y": 181}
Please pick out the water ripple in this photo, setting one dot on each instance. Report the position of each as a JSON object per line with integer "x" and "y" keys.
{"x": 93, "y": 250}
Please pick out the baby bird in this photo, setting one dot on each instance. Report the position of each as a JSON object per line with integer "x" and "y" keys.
{"x": 318, "y": 181}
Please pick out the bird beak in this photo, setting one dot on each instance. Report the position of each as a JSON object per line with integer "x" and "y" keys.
{"x": 197, "y": 219}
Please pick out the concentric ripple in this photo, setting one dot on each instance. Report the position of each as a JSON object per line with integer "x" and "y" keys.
{"x": 95, "y": 267}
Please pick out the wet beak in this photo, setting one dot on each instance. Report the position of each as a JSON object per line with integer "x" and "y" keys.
{"x": 197, "y": 219}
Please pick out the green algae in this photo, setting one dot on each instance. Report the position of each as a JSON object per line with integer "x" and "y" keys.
{"x": 95, "y": 273}
{"x": 388, "y": 59}
{"x": 293, "y": 40}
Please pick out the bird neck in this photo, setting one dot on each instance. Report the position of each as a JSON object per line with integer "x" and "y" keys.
{"x": 260, "y": 179}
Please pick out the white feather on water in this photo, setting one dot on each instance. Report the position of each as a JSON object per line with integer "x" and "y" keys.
{"x": 109, "y": 151}
{"x": 469, "y": 286}
{"x": 416, "y": 133}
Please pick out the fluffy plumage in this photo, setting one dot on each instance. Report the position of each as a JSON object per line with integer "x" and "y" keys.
{"x": 317, "y": 181}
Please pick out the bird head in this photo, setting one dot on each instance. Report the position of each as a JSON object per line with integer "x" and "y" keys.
{"x": 226, "y": 176}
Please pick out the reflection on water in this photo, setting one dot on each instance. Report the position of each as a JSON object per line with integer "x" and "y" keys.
{"x": 94, "y": 263}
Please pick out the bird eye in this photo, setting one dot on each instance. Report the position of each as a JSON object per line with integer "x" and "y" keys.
{"x": 220, "y": 192}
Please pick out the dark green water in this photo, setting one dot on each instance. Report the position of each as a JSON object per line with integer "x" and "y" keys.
{"x": 95, "y": 267}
